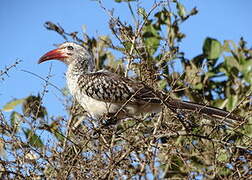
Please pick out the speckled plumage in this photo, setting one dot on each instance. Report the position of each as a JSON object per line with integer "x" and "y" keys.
{"x": 104, "y": 92}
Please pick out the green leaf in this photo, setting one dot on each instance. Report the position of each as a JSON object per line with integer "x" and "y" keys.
{"x": 33, "y": 139}
{"x": 176, "y": 167}
{"x": 198, "y": 86}
{"x": 32, "y": 106}
{"x": 220, "y": 103}
{"x": 142, "y": 12}
{"x": 54, "y": 128}
{"x": 232, "y": 101}
{"x": 248, "y": 128}
{"x": 15, "y": 119}
{"x": 176, "y": 163}
{"x": 212, "y": 48}
{"x": 226, "y": 47}
{"x": 163, "y": 18}
{"x": 224, "y": 171}
{"x": 222, "y": 156}
{"x": 162, "y": 83}
{"x": 181, "y": 10}
{"x": 151, "y": 38}
{"x": 247, "y": 66}
{"x": 210, "y": 74}
{"x": 198, "y": 60}
{"x": 230, "y": 62}
{"x": 248, "y": 77}
{"x": 12, "y": 104}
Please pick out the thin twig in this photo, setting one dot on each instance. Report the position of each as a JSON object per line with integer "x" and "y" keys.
{"x": 40, "y": 77}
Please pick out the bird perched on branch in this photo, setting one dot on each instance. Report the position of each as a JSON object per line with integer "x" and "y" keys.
{"x": 102, "y": 92}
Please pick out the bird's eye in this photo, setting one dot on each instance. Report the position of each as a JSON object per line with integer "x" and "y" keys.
{"x": 70, "y": 48}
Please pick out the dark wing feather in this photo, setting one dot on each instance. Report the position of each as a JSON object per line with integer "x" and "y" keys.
{"x": 110, "y": 87}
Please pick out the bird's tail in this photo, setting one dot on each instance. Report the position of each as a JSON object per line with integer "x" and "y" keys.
{"x": 149, "y": 95}
{"x": 228, "y": 118}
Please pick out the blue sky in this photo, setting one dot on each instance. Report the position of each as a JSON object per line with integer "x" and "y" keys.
{"x": 23, "y": 36}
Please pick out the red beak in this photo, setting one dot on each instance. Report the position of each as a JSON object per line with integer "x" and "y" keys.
{"x": 54, "y": 54}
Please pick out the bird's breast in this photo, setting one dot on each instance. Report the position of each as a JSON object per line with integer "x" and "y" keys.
{"x": 99, "y": 108}
{"x": 95, "y": 108}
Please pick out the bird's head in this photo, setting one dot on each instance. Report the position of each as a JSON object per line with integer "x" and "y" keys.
{"x": 67, "y": 52}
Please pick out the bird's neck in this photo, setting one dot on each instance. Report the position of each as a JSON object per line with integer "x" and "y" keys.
{"x": 80, "y": 67}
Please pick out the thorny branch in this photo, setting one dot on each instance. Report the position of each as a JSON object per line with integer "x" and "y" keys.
{"x": 46, "y": 81}
{"x": 136, "y": 148}
{"x": 7, "y": 68}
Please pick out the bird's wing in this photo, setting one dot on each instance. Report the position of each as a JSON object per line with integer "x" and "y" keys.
{"x": 110, "y": 87}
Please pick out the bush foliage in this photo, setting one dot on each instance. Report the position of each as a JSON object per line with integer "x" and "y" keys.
{"x": 165, "y": 145}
